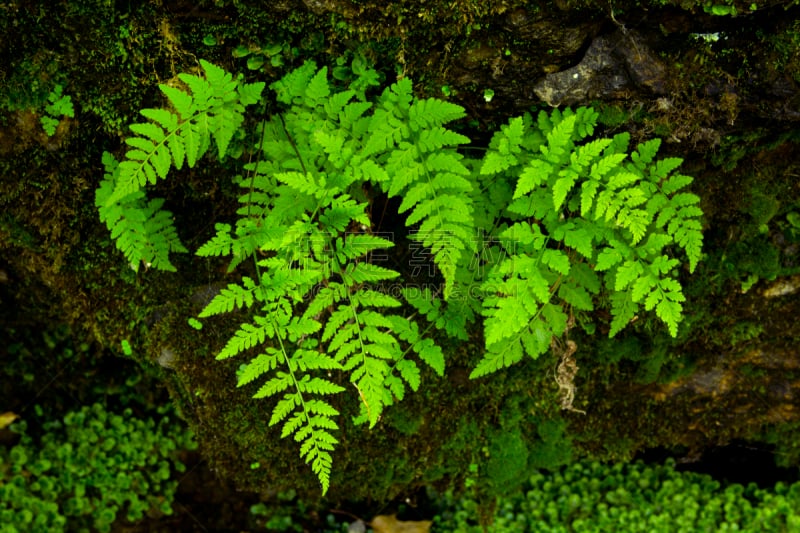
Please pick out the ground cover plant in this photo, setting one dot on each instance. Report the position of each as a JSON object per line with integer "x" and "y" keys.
{"x": 89, "y": 470}
{"x": 634, "y": 497}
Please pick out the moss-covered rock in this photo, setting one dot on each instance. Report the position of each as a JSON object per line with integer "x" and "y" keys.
{"x": 730, "y": 107}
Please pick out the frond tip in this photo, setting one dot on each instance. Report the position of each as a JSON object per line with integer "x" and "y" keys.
{"x": 141, "y": 229}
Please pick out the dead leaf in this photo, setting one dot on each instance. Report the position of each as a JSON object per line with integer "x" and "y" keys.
{"x": 390, "y": 524}
{"x": 6, "y": 419}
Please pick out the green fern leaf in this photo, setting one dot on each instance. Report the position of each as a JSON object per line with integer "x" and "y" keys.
{"x": 245, "y": 338}
{"x": 577, "y": 235}
{"x": 576, "y": 296}
{"x": 663, "y": 167}
{"x": 220, "y": 244}
{"x": 309, "y": 385}
{"x": 670, "y": 313}
{"x": 167, "y": 120}
{"x": 606, "y": 164}
{"x": 293, "y": 85}
{"x": 318, "y": 88}
{"x": 230, "y": 298}
{"x": 558, "y": 141}
{"x": 623, "y": 309}
{"x": 607, "y": 258}
{"x": 280, "y": 382}
{"x": 642, "y": 287}
{"x": 675, "y": 183}
{"x": 505, "y": 318}
{"x": 150, "y": 131}
{"x": 308, "y": 359}
{"x": 410, "y": 373}
{"x": 143, "y": 145}
{"x": 504, "y": 147}
{"x": 644, "y": 153}
{"x": 535, "y": 174}
{"x": 257, "y": 367}
{"x": 556, "y": 260}
{"x": 627, "y": 273}
{"x": 342, "y": 212}
{"x": 585, "y": 156}
{"x": 142, "y": 230}
{"x": 562, "y": 187}
{"x": 429, "y": 113}
{"x": 366, "y": 272}
{"x": 431, "y": 140}
{"x": 493, "y": 361}
{"x": 427, "y": 350}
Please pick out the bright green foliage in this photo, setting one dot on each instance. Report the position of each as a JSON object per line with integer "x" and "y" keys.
{"x": 58, "y": 105}
{"x": 90, "y": 470}
{"x": 562, "y": 225}
{"x": 578, "y": 210}
{"x": 212, "y": 108}
{"x": 316, "y": 304}
{"x": 417, "y": 152}
{"x": 593, "y": 497}
{"x": 141, "y": 229}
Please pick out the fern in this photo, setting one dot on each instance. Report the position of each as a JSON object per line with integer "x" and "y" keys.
{"x": 143, "y": 232}
{"x": 547, "y": 224}
{"x": 581, "y": 210}
{"x": 318, "y": 304}
{"x": 212, "y": 108}
{"x": 409, "y": 140}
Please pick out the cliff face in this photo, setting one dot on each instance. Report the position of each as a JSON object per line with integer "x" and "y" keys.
{"x": 722, "y": 91}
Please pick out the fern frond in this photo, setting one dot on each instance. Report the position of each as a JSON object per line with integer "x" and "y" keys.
{"x": 429, "y": 113}
{"x": 558, "y": 146}
{"x": 141, "y": 229}
{"x": 214, "y": 107}
{"x": 425, "y": 169}
{"x": 504, "y": 148}
{"x": 318, "y": 88}
{"x": 311, "y": 426}
{"x": 246, "y": 337}
{"x": 221, "y": 244}
{"x": 451, "y": 317}
{"x": 644, "y": 153}
{"x": 429, "y": 352}
{"x": 257, "y": 367}
{"x": 291, "y": 88}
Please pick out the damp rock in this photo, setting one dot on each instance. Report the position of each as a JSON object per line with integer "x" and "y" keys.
{"x": 320, "y": 7}
{"x": 783, "y": 287}
{"x": 552, "y": 37}
{"x": 615, "y": 66}
{"x": 201, "y": 296}
{"x": 167, "y": 358}
{"x": 357, "y": 527}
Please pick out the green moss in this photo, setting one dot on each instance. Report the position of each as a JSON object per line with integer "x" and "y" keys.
{"x": 406, "y": 422}
{"x": 553, "y": 448}
{"x": 785, "y": 49}
{"x": 89, "y": 470}
{"x": 755, "y": 256}
{"x": 786, "y": 439}
{"x": 508, "y": 460}
{"x": 762, "y": 207}
{"x": 590, "y": 496}
{"x": 612, "y": 115}
{"x": 745, "y": 331}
